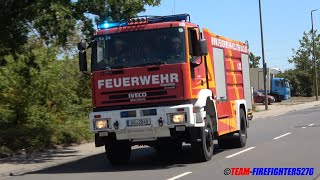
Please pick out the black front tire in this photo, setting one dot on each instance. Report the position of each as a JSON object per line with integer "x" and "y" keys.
{"x": 277, "y": 98}
{"x": 118, "y": 152}
{"x": 204, "y": 149}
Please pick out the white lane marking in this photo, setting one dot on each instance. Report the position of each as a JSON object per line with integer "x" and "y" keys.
{"x": 245, "y": 150}
{"x": 310, "y": 124}
{"x": 180, "y": 175}
{"x": 286, "y": 134}
{"x": 303, "y": 127}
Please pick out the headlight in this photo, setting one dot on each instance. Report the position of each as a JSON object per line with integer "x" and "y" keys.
{"x": 178, "y": 118}
{"x": 101, "y": 123}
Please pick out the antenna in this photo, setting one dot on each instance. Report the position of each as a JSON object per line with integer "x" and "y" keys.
{"x": 174, "y": 7}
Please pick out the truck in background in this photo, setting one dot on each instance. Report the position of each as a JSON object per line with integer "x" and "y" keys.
{"x": 279, "y": 88}
{"x": 160, "y": 81}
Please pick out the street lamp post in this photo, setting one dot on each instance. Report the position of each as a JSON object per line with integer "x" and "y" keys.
{"x": 314, "y": 58}
{"x": 263, "y": 61}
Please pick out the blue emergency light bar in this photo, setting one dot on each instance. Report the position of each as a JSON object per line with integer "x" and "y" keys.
{"x": 107, "y": 25}
{"x": 145, "y": 20}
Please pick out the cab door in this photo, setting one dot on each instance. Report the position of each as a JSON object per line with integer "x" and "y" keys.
{"x": 197, "y": 69}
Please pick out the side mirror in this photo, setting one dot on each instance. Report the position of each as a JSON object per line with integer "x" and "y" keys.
{"x": 203, "y": 48}
{"x": 83, "y": 61}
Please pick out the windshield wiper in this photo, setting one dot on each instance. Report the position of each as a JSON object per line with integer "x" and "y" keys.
{"x": 151, "y": 63}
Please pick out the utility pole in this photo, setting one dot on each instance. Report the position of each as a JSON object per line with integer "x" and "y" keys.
{"x": 314, "y": 58}
{"x": 263, "y": 61}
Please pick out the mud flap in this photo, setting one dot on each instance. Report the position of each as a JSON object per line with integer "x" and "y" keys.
{"x": 98, "y": 140}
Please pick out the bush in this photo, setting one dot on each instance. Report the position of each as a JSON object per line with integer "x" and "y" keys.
{"x": 43, "y": 101}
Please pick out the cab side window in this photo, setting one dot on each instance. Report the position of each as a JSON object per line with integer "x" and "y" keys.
{"x": 193, "y": 37}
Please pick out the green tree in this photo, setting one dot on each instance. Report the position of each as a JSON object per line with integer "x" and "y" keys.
{"x": 302, "y": 60}
{"x": 41, "y": 100}
{"x": 254, "y": 60}
{"x": 55, "y": 21}
{"x": 44, "y": 100}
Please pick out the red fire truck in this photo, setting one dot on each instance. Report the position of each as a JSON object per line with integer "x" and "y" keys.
{"x": 160, "y": 81}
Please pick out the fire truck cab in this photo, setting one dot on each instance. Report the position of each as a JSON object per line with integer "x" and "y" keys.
{"x": 160, "y": 81}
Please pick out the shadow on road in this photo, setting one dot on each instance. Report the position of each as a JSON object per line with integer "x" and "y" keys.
{"x": 143, "y": 158}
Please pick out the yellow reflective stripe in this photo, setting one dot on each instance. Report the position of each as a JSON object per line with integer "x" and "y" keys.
{"x": 233, "y": 75}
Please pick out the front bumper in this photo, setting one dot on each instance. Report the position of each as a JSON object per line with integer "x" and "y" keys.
{"x": 158, "y": 125}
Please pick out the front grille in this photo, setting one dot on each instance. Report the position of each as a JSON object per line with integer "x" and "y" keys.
{"x": 148, "y": 98}
{"x": 138, "y": 95}
{"x": 143, "y": 105}
{"x": 137, "y": 90}
{"x": 152, "y": 93}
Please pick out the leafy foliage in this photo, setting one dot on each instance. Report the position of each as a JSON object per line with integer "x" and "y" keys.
{"x": 303, "y": 73}
{"x": 44, "y": 100}
{"x": 254, "y": 60}
{"x": 302, "y": 77}
{"x": 55, "y": 21}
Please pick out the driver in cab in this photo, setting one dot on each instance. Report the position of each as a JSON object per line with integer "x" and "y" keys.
{"x": 177, "y": 51}
{"x": 118, "y": 56}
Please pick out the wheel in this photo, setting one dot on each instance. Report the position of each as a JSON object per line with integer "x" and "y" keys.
{"x": 204, "y": 149}
{"x": 277, "y": 98}
{"x": 241, "y": 139}
{"x": 118, "y": 152}
{"x": 236, "y": 141}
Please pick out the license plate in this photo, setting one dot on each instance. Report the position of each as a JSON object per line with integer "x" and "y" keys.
{"x": 138, "y": 122}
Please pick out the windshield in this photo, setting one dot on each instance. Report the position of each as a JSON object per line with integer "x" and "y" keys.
{"x": 283, "y": 83}
{"x": 140, "y": 48}
{"x": 287, "y": 84}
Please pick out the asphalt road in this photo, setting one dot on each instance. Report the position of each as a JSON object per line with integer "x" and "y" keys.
{"x": 291, "y": 140}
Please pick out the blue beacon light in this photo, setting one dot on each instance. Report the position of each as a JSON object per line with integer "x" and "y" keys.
{"x": 144, "y": 20}
{"x": 107, "y": 25}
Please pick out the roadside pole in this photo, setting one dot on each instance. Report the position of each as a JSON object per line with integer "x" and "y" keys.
{"x": 263, "y": 61}
{"x": 314, "y": 58}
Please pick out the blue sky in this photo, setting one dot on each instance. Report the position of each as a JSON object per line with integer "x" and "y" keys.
{"x": 284, "y": 22}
